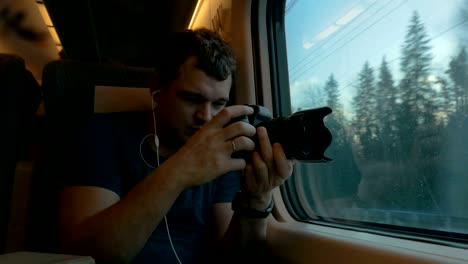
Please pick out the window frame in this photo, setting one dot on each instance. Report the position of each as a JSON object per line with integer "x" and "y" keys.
{"x": 269, "y": 27}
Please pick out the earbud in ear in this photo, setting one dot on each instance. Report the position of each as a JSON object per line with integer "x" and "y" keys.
{"x": 153, "y": 103}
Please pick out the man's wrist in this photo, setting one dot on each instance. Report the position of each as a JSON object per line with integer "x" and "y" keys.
{"x": 252, "y": 206}
{"x": 169, "y": 174}
{"x": 255, "y": 201}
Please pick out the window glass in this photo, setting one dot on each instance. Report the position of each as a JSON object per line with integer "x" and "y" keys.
{"x": 395, "y": 73}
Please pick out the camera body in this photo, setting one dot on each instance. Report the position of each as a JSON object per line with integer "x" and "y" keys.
{"x": 303, "y": 135}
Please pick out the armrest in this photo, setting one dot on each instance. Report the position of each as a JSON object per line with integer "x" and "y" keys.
{"x": 25, "y": 257}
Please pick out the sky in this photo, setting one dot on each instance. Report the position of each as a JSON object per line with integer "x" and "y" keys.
{"x": 338, "y": 36}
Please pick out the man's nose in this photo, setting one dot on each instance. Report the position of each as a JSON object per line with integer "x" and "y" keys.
{"x": 204, "y": 112}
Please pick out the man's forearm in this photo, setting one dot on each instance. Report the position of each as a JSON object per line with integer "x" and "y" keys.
{"x": 119, "y": 232}
{"x": 245, "y": 240}
{"x": 244, "y": 231}
{"x": 246, "y": 235}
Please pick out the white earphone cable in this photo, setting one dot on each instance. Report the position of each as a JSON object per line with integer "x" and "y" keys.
{"x": 141, "y": 154}
{"x": 156, "y": 142}
{"x": 156, "y": 139}
{"x": 170, "y": 240}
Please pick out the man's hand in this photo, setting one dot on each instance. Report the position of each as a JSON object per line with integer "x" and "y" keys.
{"x": 268, "y": 169}
{"x": 207, "y": 154}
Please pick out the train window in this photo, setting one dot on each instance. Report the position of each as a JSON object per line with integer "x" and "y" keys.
{"x": 395, "y": 74}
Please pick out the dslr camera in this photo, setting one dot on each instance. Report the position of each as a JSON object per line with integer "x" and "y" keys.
{"x": 303, "y": 135}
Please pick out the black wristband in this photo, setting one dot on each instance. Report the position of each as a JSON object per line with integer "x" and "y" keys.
{"x": 250, "y": 212}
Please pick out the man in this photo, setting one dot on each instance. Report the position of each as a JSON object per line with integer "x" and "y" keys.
{"x": 118, "y": 205}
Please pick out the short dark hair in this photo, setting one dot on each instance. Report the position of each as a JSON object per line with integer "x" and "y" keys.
{"x": 214, "y": 55}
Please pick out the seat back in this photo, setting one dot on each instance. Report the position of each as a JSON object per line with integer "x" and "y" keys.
{"x": 20, "y": 97}
{"x": 73, "y": 91}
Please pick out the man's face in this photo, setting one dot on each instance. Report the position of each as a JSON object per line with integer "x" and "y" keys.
{"x": 188, "y": 103}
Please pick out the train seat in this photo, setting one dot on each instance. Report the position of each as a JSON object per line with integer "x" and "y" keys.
{"x": 73, "y": 92}
{"x": 20, "y": 97}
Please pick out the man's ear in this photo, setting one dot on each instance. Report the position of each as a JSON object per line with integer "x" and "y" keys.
{"x": 154, "y": 99}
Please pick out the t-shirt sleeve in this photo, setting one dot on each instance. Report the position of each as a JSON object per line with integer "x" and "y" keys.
{"x": 93, "y": 156}
{"x": 227, "y": 186}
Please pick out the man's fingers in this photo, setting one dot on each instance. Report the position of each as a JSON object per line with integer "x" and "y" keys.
{"x": 265, "y": 146}
{"x": 249, "y": 178}
{"x": 237, "y": 164}
{"x": 240, "y": 143}
{"x": 228, "y": 113}
{"x": 261, "y": 170}
{"x": 283, "y": 166}
{"x": 238, "y": 129}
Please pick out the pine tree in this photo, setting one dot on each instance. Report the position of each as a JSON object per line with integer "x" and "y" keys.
{"x": 418, "y": 131}
{"x": 445, "y": 100}
{"x": 341, "y": 179}
{"x": 333, "y": 96}
{"x": 386, "y": 115}
{"x": 364, "y": 122}
{"x": 458, "y": 73}
{"x": 418, "y": 108}
{"x": 335, "y": 122}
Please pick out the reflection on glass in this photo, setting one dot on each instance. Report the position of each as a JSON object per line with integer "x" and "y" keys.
{"x": 396, "y": 75}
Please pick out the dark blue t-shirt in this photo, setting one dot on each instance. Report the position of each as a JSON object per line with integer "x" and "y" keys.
{"x": 107, "y": 155}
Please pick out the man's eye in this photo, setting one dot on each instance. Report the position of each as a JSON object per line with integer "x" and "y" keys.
{"x": 219, "y": 104}
{"x": 193, "y": 99}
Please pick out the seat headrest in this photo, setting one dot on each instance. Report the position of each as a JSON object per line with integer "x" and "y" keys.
{"x": 20, "y": 92}
{"x": 78, "y": 89}
{"x": 11, "y": 60}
